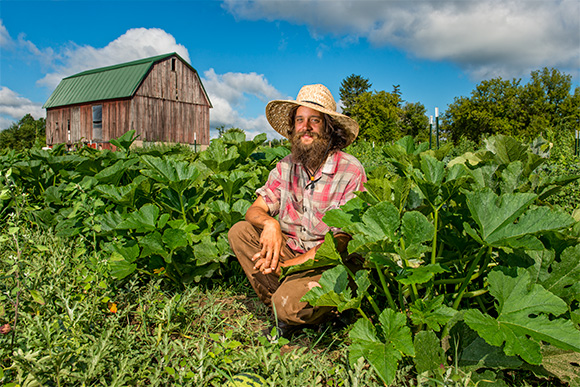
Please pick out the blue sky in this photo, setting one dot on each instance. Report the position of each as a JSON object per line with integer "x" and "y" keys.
{"x": 250, "y": 52}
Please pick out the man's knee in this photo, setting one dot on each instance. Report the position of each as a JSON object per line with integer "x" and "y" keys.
{"x": 288, "y": 307}
{"x": 237, "y": 230}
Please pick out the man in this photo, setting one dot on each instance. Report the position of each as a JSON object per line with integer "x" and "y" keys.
{"x": 316, "y": 177}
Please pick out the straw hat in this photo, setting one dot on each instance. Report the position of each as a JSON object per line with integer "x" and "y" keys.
{"x": 316, "y": 97}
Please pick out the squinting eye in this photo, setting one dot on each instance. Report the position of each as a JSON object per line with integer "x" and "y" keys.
{"x": 316, "y": 120}
{"x": 301, "y": 120}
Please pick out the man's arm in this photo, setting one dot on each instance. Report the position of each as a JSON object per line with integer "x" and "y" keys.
{"x": 271, "y": 238}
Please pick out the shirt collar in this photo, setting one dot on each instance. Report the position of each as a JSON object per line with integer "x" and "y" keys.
{"x": 331, "y": 164}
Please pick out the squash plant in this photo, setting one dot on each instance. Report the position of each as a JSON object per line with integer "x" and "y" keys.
{"x": 456, "y": 249}
{"x": 148, "y": 211}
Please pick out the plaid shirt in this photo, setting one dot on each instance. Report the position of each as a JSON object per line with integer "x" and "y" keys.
{"x": 301, "y": 210}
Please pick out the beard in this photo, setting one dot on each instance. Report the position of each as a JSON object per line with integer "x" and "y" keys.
{"x": 310, "y": 155}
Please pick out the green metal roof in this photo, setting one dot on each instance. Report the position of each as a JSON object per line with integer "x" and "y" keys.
{"x": 112, "y": 82}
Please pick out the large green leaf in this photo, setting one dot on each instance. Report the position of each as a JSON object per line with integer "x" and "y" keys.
{"x": 382, "y": 349}
{"x": 114, "y": 173}
{"x": 125, "y": 141}
{"x": 177, "y": 175}
{"x": 429, "y": 354}
{"x": 416, "y": 228}
{"x": 492, "y": 213}
{"x": 119, "y": 267}
{"x": 420, "y": 274}
{"x": 431, "y": 312}
{"x": 433, "y": 169}
{"x": 496, "y": 217}
{"x": 231, "y": 182}
{"x": 151, "y": 243}
{"x": 507, "y": 149}
{"x": 380, "y": 222}
{"x": 218, "y": 158}
{"x": 563, "y": 278}
{"x": 142, "y": 220}
{"x": 346, "y": 216}
{"x": 523, "y": 318}
{"x": 326, "y": 255}
{"x": 536, "y": 220}
{"x": 334, "y": 289}
{"x": 206, "y": 251}
{"x": 123, "y": 195}
{"x": 174, "y": 238}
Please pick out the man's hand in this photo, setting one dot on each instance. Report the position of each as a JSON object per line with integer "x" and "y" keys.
{"x": 271, "y": 239}
{"x": 300, "y": 258}
{"x": 267, "y": 260}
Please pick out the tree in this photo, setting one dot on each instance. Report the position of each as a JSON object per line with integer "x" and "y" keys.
{"x": 544, "y": 106}
{"x": 351, "y": 88}
{"x": 492, "y": 109}
{"x": 414, "y": 121}
{"x": 377, "y": 114}
{"x": 24, "y": 134}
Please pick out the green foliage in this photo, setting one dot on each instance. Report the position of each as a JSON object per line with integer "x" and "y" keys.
{"x": 546, "y": 105}
{"x": 150, "y": 212}
{"x": 350, "y": 89}
{"x": 24, "y": 134}
{"x": 70, "y": 324}
{"x": 466, "y": 265}
{"x": 437, "y": 238}
{"x": 383, "y": 117}
{"x": 377, "y": 115}
{"x": 523, "y": 320}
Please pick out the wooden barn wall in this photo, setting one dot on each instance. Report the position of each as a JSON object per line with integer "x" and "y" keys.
{"x": 170, "y": 121}
{"x": 182, "y": 85}
{"x": 169, "y": 106}
{"x": 79, "y": 120}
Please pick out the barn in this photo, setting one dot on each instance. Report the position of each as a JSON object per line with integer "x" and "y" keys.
{"x": 161, "y": 98}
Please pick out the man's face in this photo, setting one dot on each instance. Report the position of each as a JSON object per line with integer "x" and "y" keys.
{"x": 308, "y": 125}
{"x": 310, "y": 142}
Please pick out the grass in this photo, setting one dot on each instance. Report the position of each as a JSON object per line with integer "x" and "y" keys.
{"x": 76, "y": 326}
{"x": 66, "y": 323}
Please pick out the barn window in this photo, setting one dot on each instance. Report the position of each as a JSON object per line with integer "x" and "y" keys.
{"x": 97, "y": 122}
{"x": 68, "y": 130}
{"x": 172, "y": 64}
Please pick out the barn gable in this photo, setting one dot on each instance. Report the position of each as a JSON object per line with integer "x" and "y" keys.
{"x": 161, "y": 98}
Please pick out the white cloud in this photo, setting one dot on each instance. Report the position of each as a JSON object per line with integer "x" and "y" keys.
{"x": 136, "y": 43}
{"x": 229, "y": 92}
{"x": 5, "y": 39}
{"x": 484, "y": 37}
{"x": 13, "y": 107}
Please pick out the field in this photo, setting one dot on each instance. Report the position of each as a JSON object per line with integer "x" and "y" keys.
{"x": 116, "y": 269}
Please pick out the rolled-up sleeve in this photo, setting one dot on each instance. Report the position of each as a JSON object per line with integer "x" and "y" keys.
{"x": 271, "y": 191}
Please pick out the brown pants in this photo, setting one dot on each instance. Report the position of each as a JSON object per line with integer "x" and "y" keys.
{"x": 283, "y": 296}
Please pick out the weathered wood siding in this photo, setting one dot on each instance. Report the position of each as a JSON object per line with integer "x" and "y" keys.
{"x": 169, "y": 121}
{"x": 169, "y": 106}
{"x": 79, "y": 120}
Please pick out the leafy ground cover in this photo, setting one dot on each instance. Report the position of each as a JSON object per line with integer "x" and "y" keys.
{"x": 76, "y": 326}
{"x": 116, "y": 270}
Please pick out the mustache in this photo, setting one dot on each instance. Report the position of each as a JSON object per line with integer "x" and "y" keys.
{"x": 309, "y": 133}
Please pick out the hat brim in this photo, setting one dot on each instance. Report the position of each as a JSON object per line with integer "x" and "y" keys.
{"x": 278, "y": 112}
